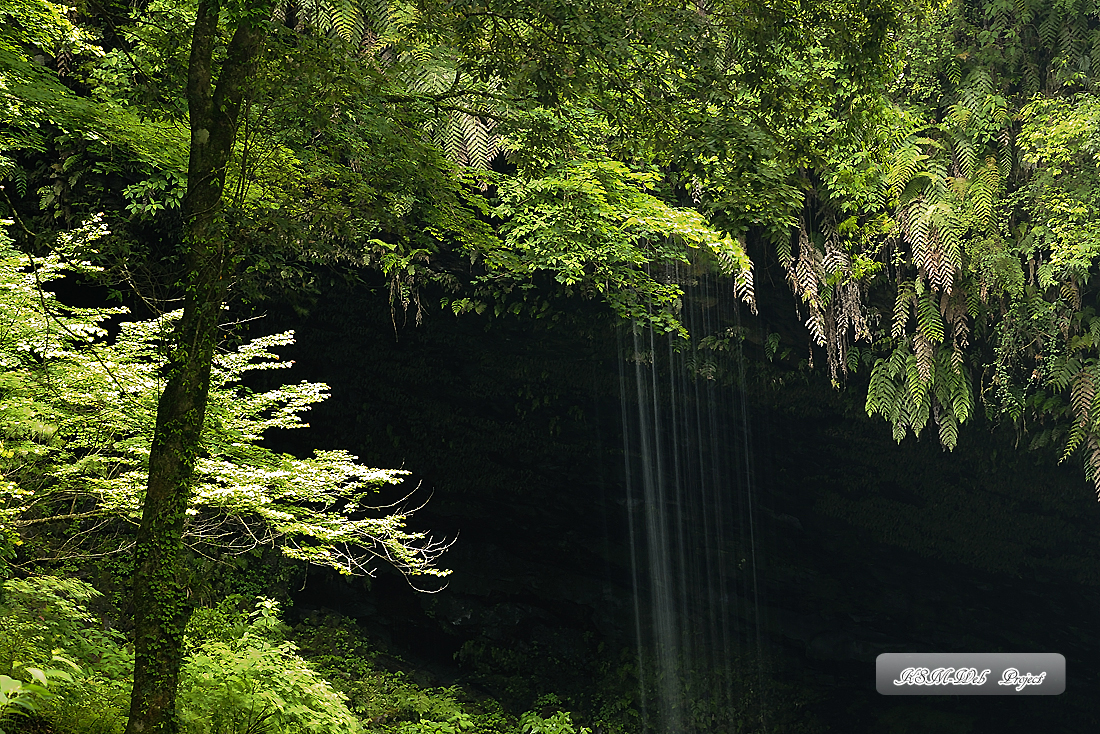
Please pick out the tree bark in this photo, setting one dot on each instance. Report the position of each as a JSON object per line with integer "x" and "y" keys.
{"x": 161, "y": 606}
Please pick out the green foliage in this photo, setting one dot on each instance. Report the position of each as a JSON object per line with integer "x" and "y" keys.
{"x": 45, "y": 621}
{"x": 687, "y": 101}
{"x": 380, "y": 691}
{"x": 17, "y": 696}
{"x": 78, "y": 415}
{"x": 593, "y": 223}
{"x": 453, "y": 724}
{"x": 30, "y": 95}
{"x": 993, "y": 180}
{"x": 49, "y": 613}
{"x": 613, "y": 115}
{"x": 383, "y": 693}
{"x": 256, "y": 682}
{"x": 905, "y": 395}
{"x": 1062, "y": 141}
{"x": 558, "y": 723}
{"x": 89, "y": 705}
{"x": 36, "y": 104}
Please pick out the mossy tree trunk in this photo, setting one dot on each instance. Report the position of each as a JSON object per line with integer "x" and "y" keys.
{"x": 160, "y": 601}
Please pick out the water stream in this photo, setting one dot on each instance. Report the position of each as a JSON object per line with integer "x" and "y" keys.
{"x": 696, "y": 559}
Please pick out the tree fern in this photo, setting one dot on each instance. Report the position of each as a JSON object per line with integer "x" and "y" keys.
{"x": 345, "y": 17}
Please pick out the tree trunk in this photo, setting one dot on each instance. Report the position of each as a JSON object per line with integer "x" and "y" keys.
{"x": 161, "y": 608}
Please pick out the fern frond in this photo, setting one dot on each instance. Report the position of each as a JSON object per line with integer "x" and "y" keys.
{"x": 1092, "y": 463}
{"x": 453, "y": 142}
{"x": 1049, "y": 26}
{"x": 929, "y": 319}
{"x": 983, "y": 190}
{"x": 1005, "y": 156}
{"x": 1082, "y": 396}
{"x": 949, "y": 255}
{"x": 906, "y": 293}
{"x": 980, "y": 81}
{"x": 957, "y": 395}
{"x": 898, "y": 360}
{"x": 906, "y": 164}
{"x": 918, "y": 408}
{"x": 783, "y": 251}
{"x": 1063, "y": 371}
{"x": 477, "y": 142}
{"x": 960, "y": 115}
{"x": 879, "y": 389}
{"x": 949, "y": 430}
{"x": 899, "y": 431}
{"x": 916, "y": 366}
{"x": 743, "y": 288}
{"x": 966, "y": 154}
{"x": 1073, "y": 441}
{"x": 1072, "y": 294}
{"x": 1023, "y": 10}
{"x": 341, "y": 18}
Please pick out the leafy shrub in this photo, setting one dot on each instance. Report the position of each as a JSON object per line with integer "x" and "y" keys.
{"x": 387, "y": 700}
{"x": 44, "y": 621}
{"x": 457, "y": 722}
{"x": 89, "y": 704}
{"x": 558, "y": 722}
{"x": 256, "y": 683}
{"x": 46, "y": 613}
{"x": 224, "y": 623}
{"x": 17, "y": 696}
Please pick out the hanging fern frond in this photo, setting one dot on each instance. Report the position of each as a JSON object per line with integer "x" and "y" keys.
{"x": 966, "y": 153}
{"x": 906, "y": 292}
{"x": 880, "y": 392}
{"x": 743, "y": 287}
{"x": 983, "y": 190}
{"x": 1063, "y": 371}
{"x": 924, "y": 362}
{"x": 1006, "y": 155}
{"x": 929, "y": 319}
{"x": 482, "y": 144}
{"x": 949, "y": 430}
{"x": 906, "y": 164}
{"x": 805, "y": 274}
{"x": 1083, "y": 395}
{"x": 1050, "y": 25}
{"x": 1072, "y": 294}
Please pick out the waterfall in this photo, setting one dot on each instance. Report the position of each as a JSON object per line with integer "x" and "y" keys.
{"x": 692, "y": 518}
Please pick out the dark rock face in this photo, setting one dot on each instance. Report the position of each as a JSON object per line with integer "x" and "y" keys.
{"x": 862, "y": 546}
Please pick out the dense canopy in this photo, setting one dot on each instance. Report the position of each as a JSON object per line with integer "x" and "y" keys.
{"x": 926, "y": 177}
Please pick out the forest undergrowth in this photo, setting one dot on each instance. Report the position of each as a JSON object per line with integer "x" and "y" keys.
{"x": 66, "y": 671}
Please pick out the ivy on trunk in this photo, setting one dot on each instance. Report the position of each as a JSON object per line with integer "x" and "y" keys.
{"x": 160, "y": 601}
